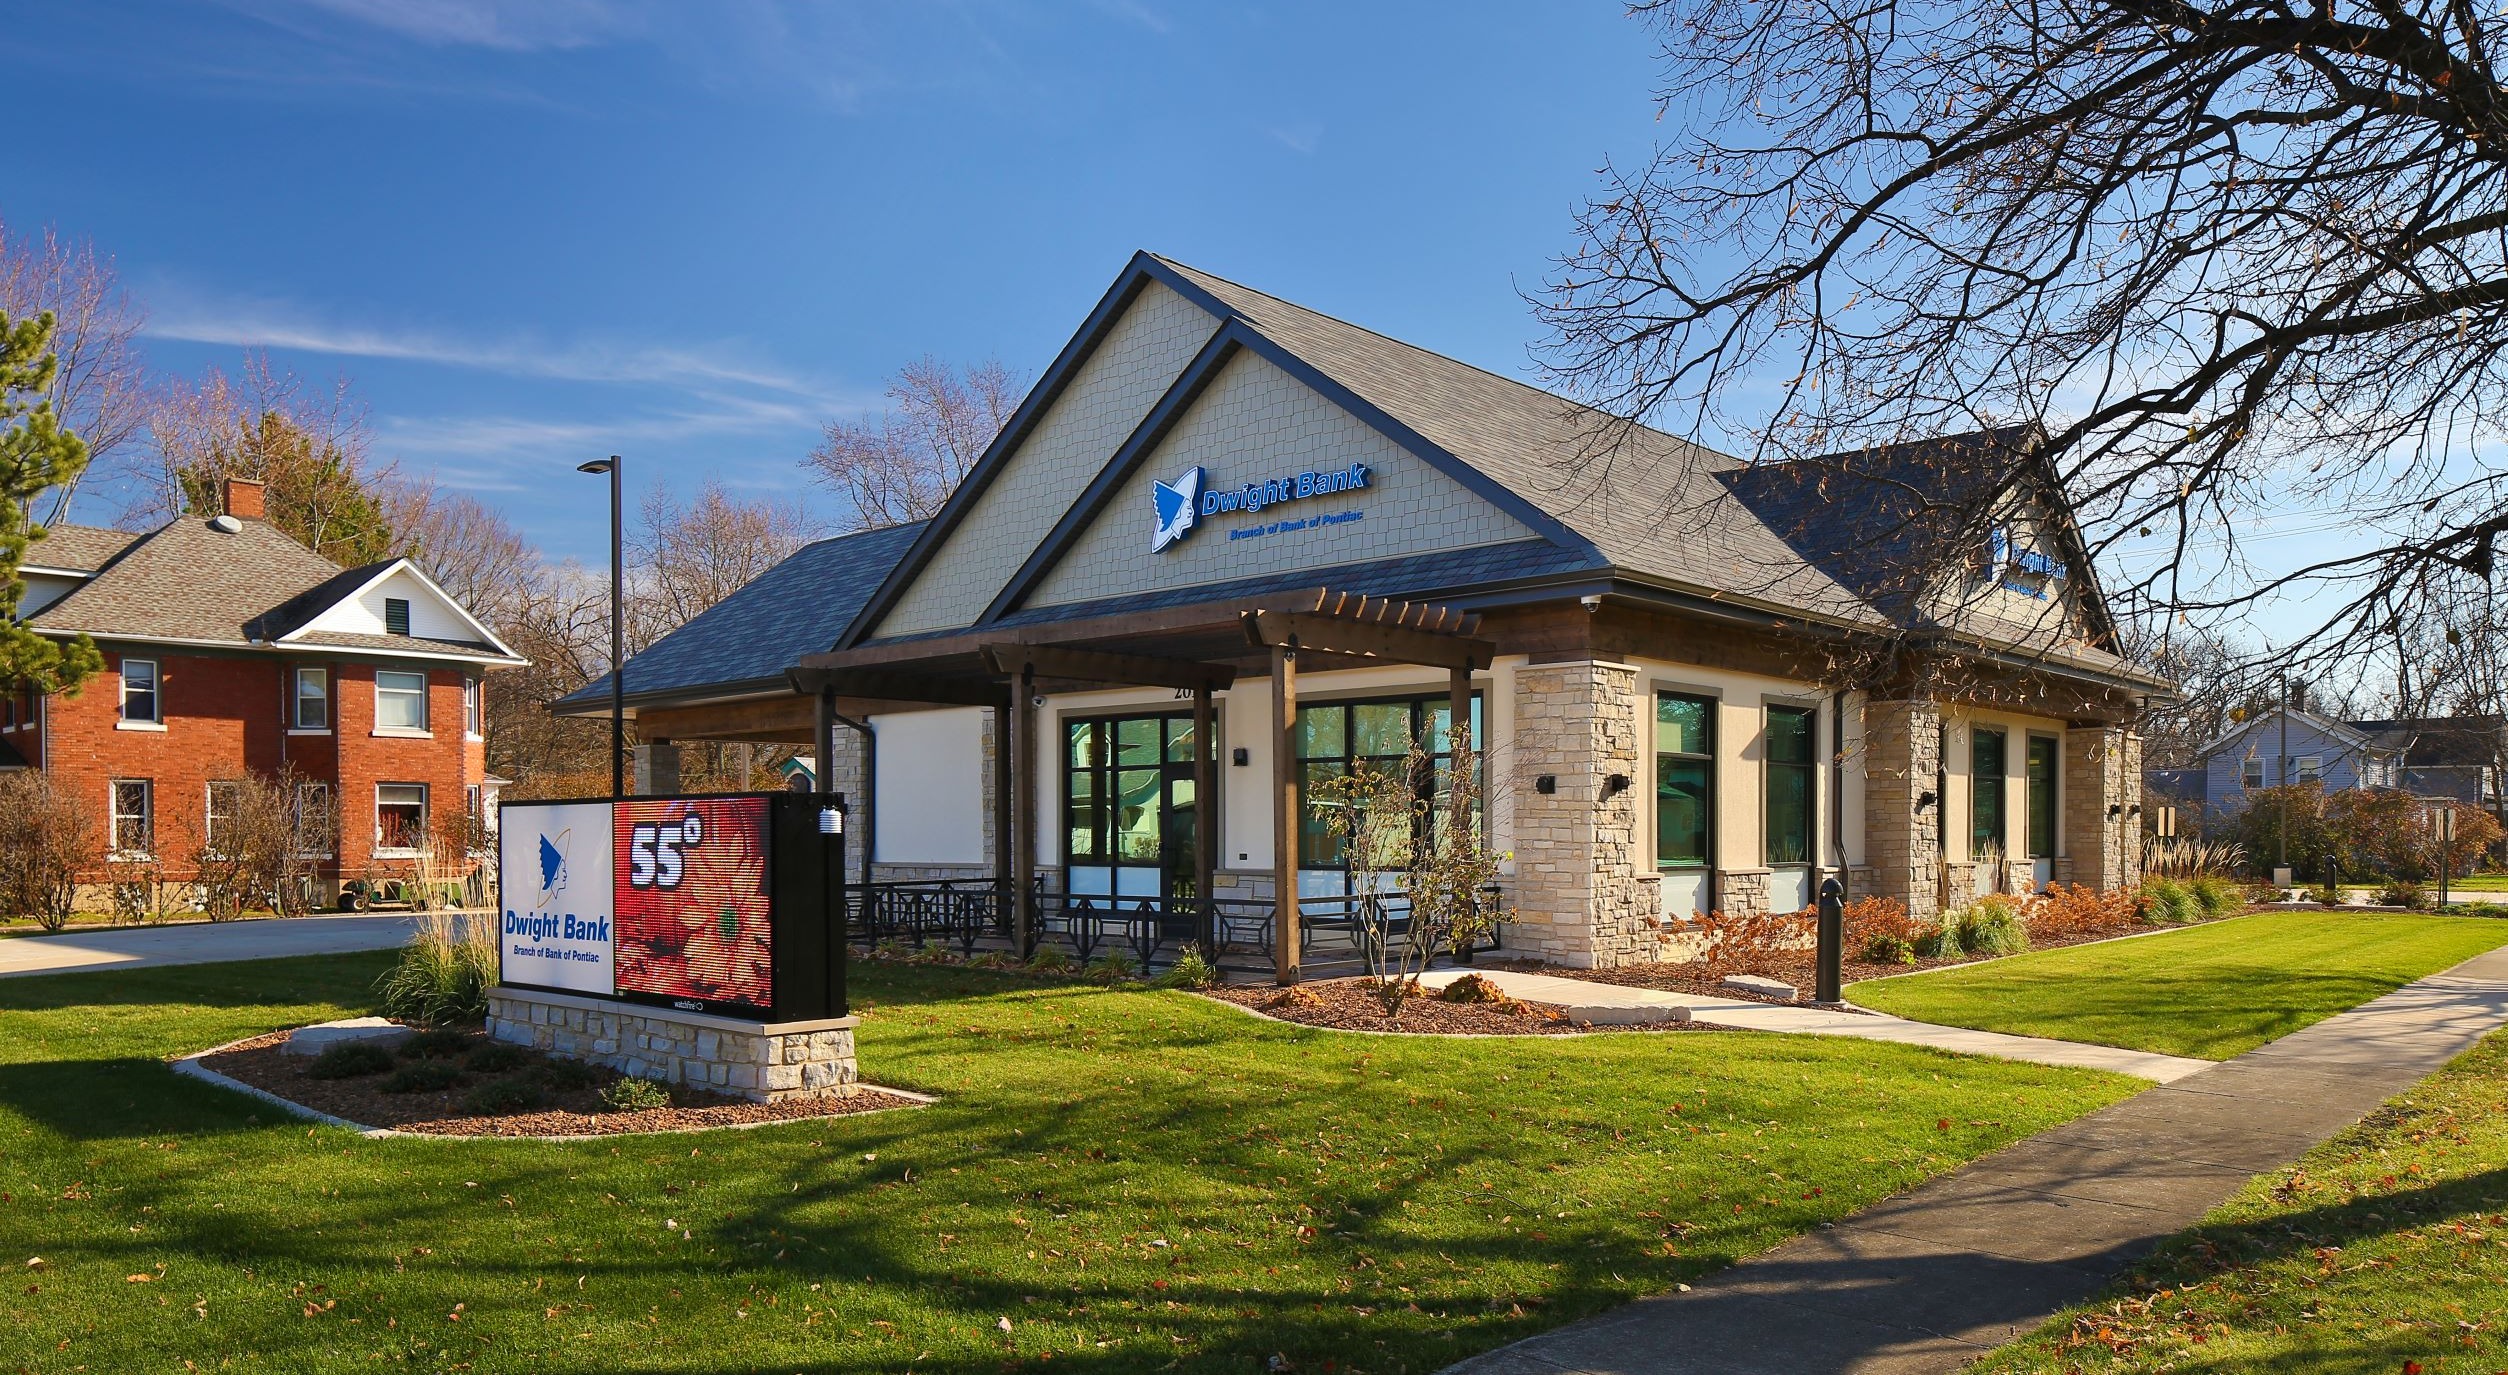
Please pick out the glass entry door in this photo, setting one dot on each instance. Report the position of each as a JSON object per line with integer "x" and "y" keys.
{"x": 1129, "y": 813}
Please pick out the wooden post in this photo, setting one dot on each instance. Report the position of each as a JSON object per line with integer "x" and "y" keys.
{"x": 1001, "y": 797}
{"x": 1284, "y": 828}
{"x": 1023, "y": 812}
{"x": 1205, "y": 819}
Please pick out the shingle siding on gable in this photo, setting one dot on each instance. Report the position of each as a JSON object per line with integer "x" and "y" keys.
{"x": 1255, "y": 422}
{"x": 1112, "y": 392}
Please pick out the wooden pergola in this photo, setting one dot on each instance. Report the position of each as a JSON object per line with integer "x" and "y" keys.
{"x": 1199, "y": 649}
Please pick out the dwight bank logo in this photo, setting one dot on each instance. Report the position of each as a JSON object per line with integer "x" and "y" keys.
{"x": 1179, "y": 507}
{"x": 552, "y": 871}
{"x": 1181, "y": 504}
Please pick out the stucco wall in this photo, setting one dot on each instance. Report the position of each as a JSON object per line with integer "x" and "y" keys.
{"x": 1106, "y": 400}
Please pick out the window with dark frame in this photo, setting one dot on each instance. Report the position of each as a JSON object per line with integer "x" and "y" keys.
{"x": 396, "y": 615}
{"x": 225, "y": 799}
{"x": 312, "y": 699}
{"x": 1337, "y": 738}
{"x": 1792, "y": 736}
{"x": 139, "y": 690}
{"x": 1685, "y": 781}
{"x": 2042, "y": 796}
{"x": 133, "y": 826}
{"x": 1985, "y": 792}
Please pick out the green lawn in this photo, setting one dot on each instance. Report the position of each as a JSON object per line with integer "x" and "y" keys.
{"x": 1132, "y": 1181}
{"x": 2384, "y": 1250}
{"x": 2210, "y": 991}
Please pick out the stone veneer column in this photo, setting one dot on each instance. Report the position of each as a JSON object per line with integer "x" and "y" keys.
{"x": 1576, "y": 896}
{"x": 2103, "y": 770}
{"x": 1902, "y": 761}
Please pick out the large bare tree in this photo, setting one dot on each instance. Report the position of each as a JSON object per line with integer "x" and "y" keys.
{"x": 309, "y": 444}
{"x": 692, "y": 554}
{"x": 901, "y": 464}
{"x": 99, "y": 386}
{"x": 2239, "y": 259}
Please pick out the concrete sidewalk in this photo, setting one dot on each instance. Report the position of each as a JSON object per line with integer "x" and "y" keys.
{"x": 1930, "y": 1280}
{"x": 201, "y": 943}
{"x": 1583, "y": 996}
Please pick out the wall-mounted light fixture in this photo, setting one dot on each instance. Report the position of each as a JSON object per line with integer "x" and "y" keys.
{"x": 1926, "y": 799}
{"x": 1546, "y": 784}
{"x": 2115, "y": 810}
{"x": 1615, "y": 785}
{"x": 1238, "y": 756}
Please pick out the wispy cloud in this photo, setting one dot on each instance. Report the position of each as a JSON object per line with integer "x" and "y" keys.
{"x": 504, "y": 25}
{"x": 272, "y": 325}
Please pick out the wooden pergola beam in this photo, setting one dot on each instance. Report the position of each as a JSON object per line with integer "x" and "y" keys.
{"x": 1100, "y": 666}
{"x": 890, "y": 685}
{"x": 1385, "y": 639}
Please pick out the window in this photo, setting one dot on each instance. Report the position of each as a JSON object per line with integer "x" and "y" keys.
{"x": 400, "y": 701}
{"x": 2042, "y": 775}
{"x": 1685, "y": 781}
{"x": 314, "y": 821}
{"x": 2251, "y": 772}
{"x": 396, "y": 615}
{"x": 1124, "y": 805}
{"x": 1985, "y": 793}
{"x": 139, "y": 690}
{"x": 226, "y": 798}
{"x": 2309, "y": 769}
{"x": 134, "y": 817}
{"x": 400, "y": 816}
{"x": 474, "y": 717}
{"x": 1792, "y": 732}
{"x": 1334, "y": 738}
{"x": 310, "y": 705}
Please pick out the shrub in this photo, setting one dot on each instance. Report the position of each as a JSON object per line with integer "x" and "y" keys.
{"x": 565, "y": 1076}
{"x": 423, "y": 1076}
{"x": 443, "y": 975}
{"x": 1881, "y": 949}
{"x": 1113, "y": 967}
{"x": 350, "y": 1060}
{"x": 1762, "y": 944}
{"x": 49, "y": 834}
{"x": 1050, "y": 959}
{"x": 2259, "y": 828}
{"x": 636, "y": 1095}
{"x": 436, "y": 1043}
{"x": 517, "y": 1094}
{"x": 2329, "y": 894}
{"x": 495, "y": 1057}
{"x": 1471, "y": 988}
{"x": 2066, "y": 911}
{"x": 2403, "y": 892}
{"x": 1939, "y": 942}
{"x": 1992, "y": 926}
{"x": 1879, "y": 931}
{"x": 1191, "y": 970}
{"x": 2217, "y": 896}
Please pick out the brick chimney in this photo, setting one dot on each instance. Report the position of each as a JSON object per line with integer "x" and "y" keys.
{"x": 243, "y": 499}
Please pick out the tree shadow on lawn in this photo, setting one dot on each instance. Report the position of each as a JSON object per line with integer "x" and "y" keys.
{"x": 346, "y": 979}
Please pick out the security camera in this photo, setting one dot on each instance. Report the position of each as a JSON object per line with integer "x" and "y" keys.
{"x": 1590, "y": 604}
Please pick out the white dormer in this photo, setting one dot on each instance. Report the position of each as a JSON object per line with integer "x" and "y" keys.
{"x": 398, "y": 601}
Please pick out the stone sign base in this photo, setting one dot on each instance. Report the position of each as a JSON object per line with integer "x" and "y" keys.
{"x": 766, "y": 1062}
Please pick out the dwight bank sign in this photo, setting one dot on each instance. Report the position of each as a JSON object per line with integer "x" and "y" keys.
{"x": 1186, "y": 502}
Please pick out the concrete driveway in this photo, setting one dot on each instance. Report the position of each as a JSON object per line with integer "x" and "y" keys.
{"x": 201, "y": 943}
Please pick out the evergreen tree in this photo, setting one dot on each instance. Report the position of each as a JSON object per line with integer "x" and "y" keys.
{"x": 313, "y": 488}
{"x": 36, "y": 455}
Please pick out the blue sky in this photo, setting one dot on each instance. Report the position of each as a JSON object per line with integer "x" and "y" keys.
{"x": 535, "y": 231}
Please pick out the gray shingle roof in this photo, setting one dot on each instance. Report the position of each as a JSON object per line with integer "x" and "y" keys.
{"x": 748, "y": 639}
{"x": 190, "y": 581}
{"x": 84, "y": 548}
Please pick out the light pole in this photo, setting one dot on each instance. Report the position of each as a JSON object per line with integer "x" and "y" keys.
{"x": 618, "y": 624}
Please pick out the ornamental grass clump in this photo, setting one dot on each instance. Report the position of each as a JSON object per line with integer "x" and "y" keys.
{"x": 636, "y": 1095}
{"x": 1050, "y": 959}
{"x": 2217, "y": 895}
{"x": 443, "y": 975}
{"x": 1113, "y": 967}
{"x": 1192, "y": 969}
{"x": 1992, "y": 925}
{"x": 2166, "y": 902}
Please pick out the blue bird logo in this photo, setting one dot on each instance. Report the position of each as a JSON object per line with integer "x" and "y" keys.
{"x": 1179, "y": 506}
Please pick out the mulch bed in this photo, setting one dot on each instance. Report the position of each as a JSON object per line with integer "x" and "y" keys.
{"x": 574, "y": 1111}
{"x": 1801, "y": 967}
{"x": 1351, "y": 1005}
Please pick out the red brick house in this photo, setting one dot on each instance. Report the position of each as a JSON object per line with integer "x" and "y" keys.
{"x": 229, "y": 646}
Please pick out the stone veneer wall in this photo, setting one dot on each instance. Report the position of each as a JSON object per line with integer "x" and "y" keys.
{"x": 766, "y": 1062}
{"x": 1577, "y": 895}
{"x": 1902, "y": 760}
{"x": 2102, "y": 769}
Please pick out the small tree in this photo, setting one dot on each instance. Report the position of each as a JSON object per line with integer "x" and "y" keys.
{"x": 1420, "y": 872}
{"x": 250, "y": 855}
{"x": 48, "y": 838}
{"x": 36, "y": 455}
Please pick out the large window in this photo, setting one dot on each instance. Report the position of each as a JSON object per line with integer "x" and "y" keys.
{"x": 2307, "y": 768}
{"x": 1985, "y": 793}
{"x": 2042, "y": 796}
{"x": 1335, "y": 739}
{"x": 1792, "y": 733}
{"x": 2251, "y": 772}
{"x": 400, "y": 701}
{"x": 1685, "y": 781}
{"x": 139, "y": 690}
{"x": 134, "y": 820}
{"x": 400, "y": 816}
{"x": 316, "y": 821}
{"x": 312, "y": 709}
